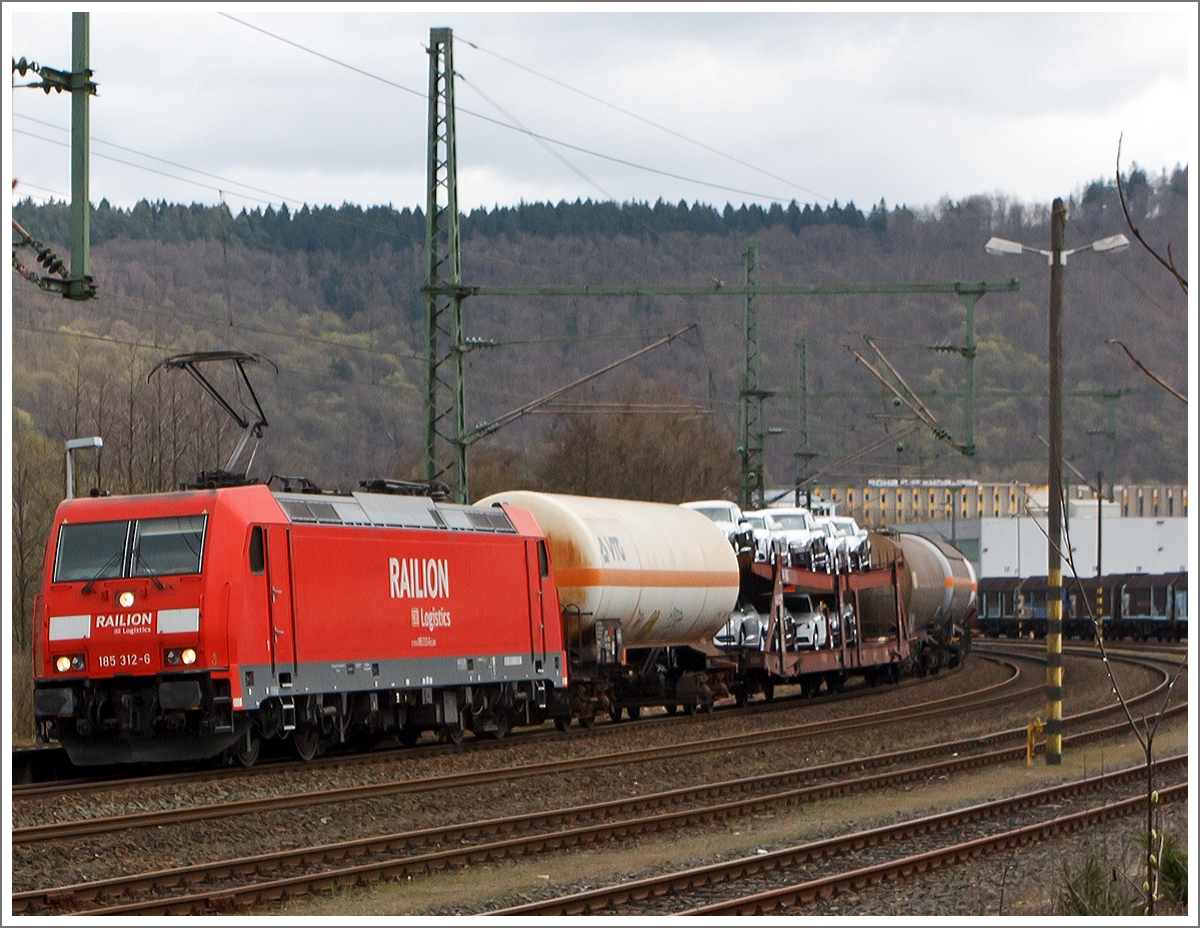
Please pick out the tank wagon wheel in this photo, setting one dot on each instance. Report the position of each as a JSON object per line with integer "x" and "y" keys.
{"x": 408, "y": 736}
{"x": 635, "y": 712}
{"x": 671, "y": 708}
{"x": 769, "y": 691}
{"x": 562, "y": 722}
{"x": 689, "y": 708}
{"x": 306, "y": 739}
{"x": 586, "y": 721}
{"x": 245, "y": 751}
{"x": 450, "y": 735}
{"x": 739, "y": 697}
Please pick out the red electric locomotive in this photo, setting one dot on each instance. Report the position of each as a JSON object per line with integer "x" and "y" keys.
{"x": 182, "y": 625}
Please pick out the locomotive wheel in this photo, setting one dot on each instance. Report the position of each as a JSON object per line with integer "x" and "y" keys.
{"x": 689, "y": 708}
{"x": 614, "y": 713}
{"x": 671, "y": 708}
{"x": 562, "y": 723}
{"x": 769, "y": 692}
{"x": 408, "y": 736}
{"x": 635, "y": 712}
{"x": 245, "y": 752}
{"x": 306, "y": 739}
{"x": 502, "y": 728}
{"x": 739, "y": 696}
{"x": 450, "y": 735}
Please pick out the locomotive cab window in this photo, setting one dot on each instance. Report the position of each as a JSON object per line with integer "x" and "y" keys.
{"x": 90, "y": 551}
{"x": 543, "y": 559}
{"x": 257, "y": 561}
{"x": 167, "y": 546}
{"x": 147, "y": 547}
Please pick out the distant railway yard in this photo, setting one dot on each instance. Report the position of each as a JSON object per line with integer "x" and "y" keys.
{"x": 881, "y": 800}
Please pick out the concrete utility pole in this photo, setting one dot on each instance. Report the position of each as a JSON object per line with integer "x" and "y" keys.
{"x": 1054, "y": 624}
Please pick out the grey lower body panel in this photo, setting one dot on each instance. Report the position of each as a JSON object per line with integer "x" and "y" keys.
{"x": 260, "y": 682}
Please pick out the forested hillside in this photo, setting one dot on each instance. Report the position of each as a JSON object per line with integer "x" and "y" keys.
{"x": 332, "y": 297}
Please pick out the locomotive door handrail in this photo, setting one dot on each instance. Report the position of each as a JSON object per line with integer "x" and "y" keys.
{"x": 281, "y": 603}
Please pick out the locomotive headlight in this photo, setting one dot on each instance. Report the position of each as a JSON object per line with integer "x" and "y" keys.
{"x": 63, "y": 664}
{"x": 125, "y": 599}
{"x": 189, "y": 655}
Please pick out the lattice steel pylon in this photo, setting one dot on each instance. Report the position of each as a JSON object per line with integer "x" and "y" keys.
{"x": 445, "y": 415}
{"x": 753, "y": 479}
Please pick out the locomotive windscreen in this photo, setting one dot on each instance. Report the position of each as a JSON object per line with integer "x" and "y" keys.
{"x": 139, "y": 548}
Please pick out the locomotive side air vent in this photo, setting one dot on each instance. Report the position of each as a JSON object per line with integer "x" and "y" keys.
{"x": 490, "y": 520}
{"x": 309, "y": 511}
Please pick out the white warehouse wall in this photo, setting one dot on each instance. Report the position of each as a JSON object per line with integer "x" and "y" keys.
{"x": 1017, "y": 547}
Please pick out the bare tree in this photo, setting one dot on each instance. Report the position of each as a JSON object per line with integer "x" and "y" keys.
{"x": 1169, "y": 261}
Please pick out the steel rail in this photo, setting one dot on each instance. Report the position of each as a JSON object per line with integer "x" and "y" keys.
{"x": 80, "y": 784}
{"x": 762, "y": 903}
{"x": 601, "y": 815}
{"x": 701, "y": 877}
{"x": 79, "y": 827}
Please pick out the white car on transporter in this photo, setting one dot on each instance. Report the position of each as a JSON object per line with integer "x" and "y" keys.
{"x": 728, "y": 518}
{"x": 795, "y": 535}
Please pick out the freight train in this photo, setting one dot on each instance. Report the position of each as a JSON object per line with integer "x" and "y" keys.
{"x": 201, "y": 623}
{"x": 1135, "y": 606}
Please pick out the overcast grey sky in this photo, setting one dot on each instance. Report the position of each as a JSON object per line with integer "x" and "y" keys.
{"x": 847, "y": 103}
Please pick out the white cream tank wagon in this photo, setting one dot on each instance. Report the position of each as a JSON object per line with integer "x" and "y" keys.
{"x": 644, "y": 587}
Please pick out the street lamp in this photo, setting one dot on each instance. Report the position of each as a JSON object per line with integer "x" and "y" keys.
{"x": 74, "y": 444}
{"x": 1057, "y": 259}
{"x": 1002, "y": 246}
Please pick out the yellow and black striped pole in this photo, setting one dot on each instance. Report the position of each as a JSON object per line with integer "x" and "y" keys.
{"x": 1054, "y": 597}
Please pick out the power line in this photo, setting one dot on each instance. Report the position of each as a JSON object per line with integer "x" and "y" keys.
{"x": 174, "y": 164}
{"x": 88, "y": 336}
{"x": 143, "y": 167}
{"x": 528, "y": 132}
{"x": 544, "y": 145}
{"x": 643, "y": 119}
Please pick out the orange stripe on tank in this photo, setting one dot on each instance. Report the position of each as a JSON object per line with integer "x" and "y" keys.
{"x": 594, "y": 576}
{"x": 952, "y": 583}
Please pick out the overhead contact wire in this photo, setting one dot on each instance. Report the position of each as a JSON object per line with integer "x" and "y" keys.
{"x": 497, "y": 122}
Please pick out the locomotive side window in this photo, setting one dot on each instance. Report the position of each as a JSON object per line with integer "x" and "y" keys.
{"x": 543, "y": 558}
{"x": 172, "y": 545}
{"x": 90, "y": 551}
{"x": 257, "y": 561}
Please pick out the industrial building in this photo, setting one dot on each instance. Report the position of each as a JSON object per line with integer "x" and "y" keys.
{"x": 1001, "y": 528}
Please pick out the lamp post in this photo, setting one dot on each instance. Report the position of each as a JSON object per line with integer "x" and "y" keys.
{"x": 1057, "y": 258}
{"x": 74, "y": 444}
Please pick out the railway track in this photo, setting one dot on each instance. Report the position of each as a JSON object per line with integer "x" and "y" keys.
{"x": 178, "y": 815}
{"x": 220, "y": 885}
{"x": 47, "y": 771}
{"x": 68, "y": 830}
{"x": 844, "y": 853}
{"x": 648, "y": 812}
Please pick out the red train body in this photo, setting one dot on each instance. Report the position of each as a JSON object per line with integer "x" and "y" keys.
{"x": 181, "y": 625}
